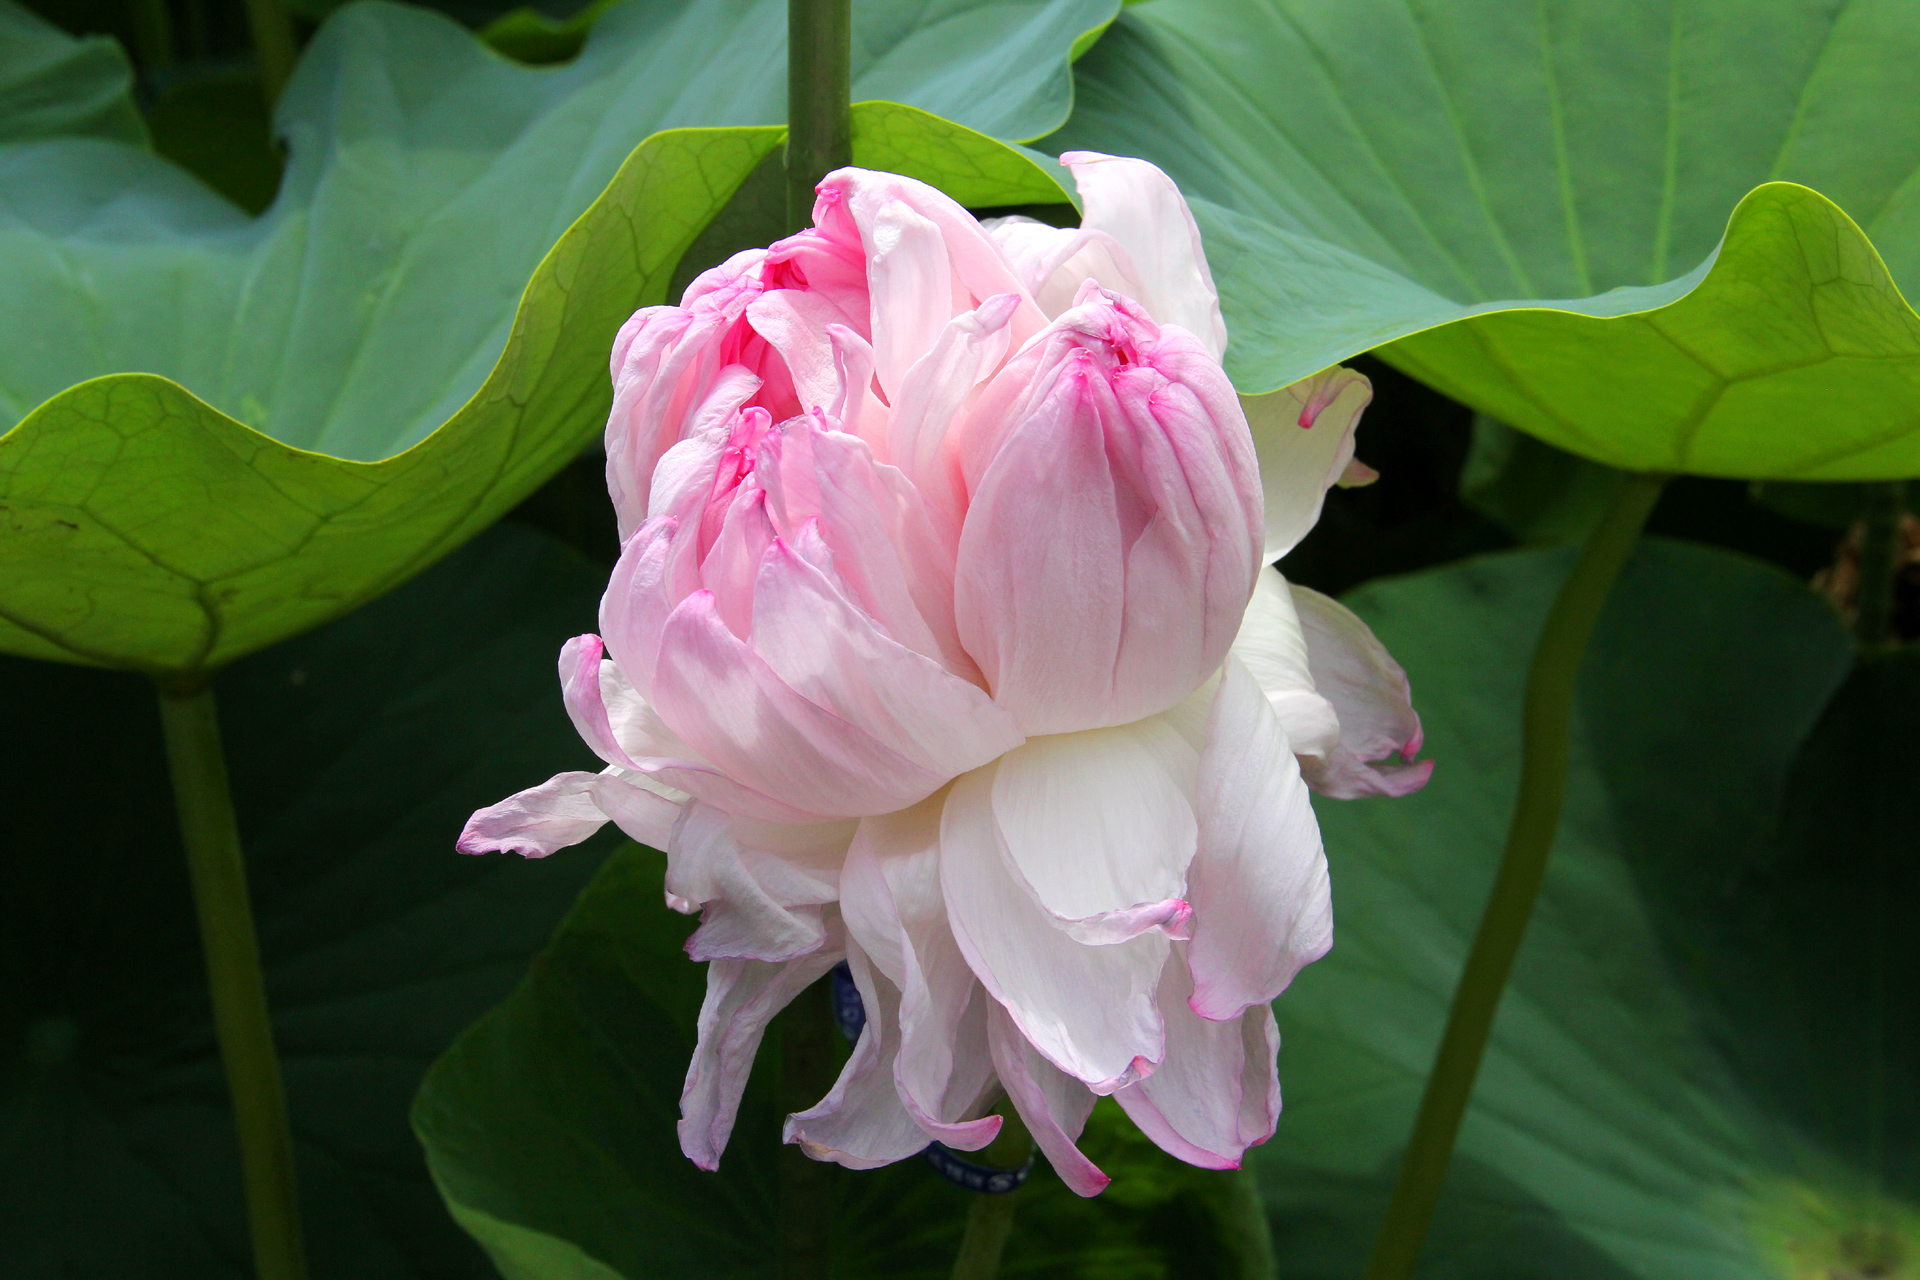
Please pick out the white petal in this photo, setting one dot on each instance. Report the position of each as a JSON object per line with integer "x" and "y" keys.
{"x": 1258, "y": 885}
{"x": 763, "y": 886}
{"x": 1089, "y": 1009}
{"x": 1217, "y": 1093}
{"x": 890, "y": 895}
{"x": 559, "y": 812}
{"x": 1303, "y": 435}
{"x": 742, "y": 997}
{"x": 1274, "y": 650}
{"x": 1099, "y": 822}
{"x": 860, "y": 1123}
{"x": 1054, "y": 1106}
{"x": 1144, "y": 212}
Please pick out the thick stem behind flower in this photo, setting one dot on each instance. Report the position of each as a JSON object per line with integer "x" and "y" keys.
{"x": 819, "y": 99}
{"x": 1547, "y": 723}
{"x": 240, "y": 1019}
{"x": 990, "y": 1217}
{"x": 807, "y": 1070}
{"x": 1879, "y": 564}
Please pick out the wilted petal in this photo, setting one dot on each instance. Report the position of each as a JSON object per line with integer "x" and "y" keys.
{"x": 742, "y": 997}
{"x": 1304, "y": 436}
{"x": 890, "y": 896}
{"x": 1143, "y": 211}
{"x": 1261, "y": 908}
{"x": 1369, "y": 692}
{"x": 559, "y": 812}
{"x": 762, "y": 886}
{"x": 1088, "y": 1009}
{"x": 1218, "y": 1091}
{"x": 861, "y": 1123}
{"x": 1054, "y": 1106}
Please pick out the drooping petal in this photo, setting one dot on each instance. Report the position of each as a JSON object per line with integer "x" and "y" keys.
{"x": 1088, "y": 1009}
{"x": 742, "y": 997}
{"x": 1054, "y": 1106}
{"x": 1370, "y": 693}
{"x": 1143, "y": 211}
{"x": 861, "y": 1123}
{"x": 1258, "y": 883}
{"x": 534, "y": 823}
{"x": 890, "y": 896}
{"x": 1218, "y": 1091}
{"x": 1274, "y": 651}
{"x": 1304, "y": 436}
{"x": 763, "y": 887}
{"x": 830, "y": 653}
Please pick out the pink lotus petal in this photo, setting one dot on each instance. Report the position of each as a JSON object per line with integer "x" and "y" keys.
{"x": 1054, "y": 1106}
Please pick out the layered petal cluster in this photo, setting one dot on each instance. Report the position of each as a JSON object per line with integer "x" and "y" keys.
{"x": 942, "y": 644}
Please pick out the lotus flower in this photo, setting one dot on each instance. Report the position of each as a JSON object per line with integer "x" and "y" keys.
{"x": 941, "y": 643}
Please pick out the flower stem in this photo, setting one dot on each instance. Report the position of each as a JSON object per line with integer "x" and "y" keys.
{"x": 273, "y": 51}
{"x": 804, "y": 1185}
{"x": 1546, "y": 724}
{"x": 1243, "y": 1223}
{"x": 1879, "y": 564}
{"x": 819, "y": 97}
{"x": 990, "y": 1217}
{"x": 240, "y": 1021}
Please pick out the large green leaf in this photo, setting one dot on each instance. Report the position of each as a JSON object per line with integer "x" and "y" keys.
{"x": 356, "y": 752}
{"x": 250, "y": 426}
{"x": 53, "y": 86}
{"x": 1705, "y": 1064}
{"x": 1507, "y": 197}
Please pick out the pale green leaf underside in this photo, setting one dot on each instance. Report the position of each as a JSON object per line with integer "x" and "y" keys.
{"x": 1505, "y": 196}
{"x": 53, "y": 86}
{"x": 1604, "y": 1096}
{"x": 252, "y": 426}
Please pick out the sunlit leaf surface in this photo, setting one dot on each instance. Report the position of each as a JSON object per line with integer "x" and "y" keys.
{"x": 1521, "y": 203}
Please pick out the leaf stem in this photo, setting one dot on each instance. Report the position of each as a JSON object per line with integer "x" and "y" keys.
{"x": 240, "y": 1020}
{"x": 819, "y": 98}
{"x": 1243, "y": 1224}
{"x": 805, "y": 1186}
{"x": 990, "y": 1217}
{"x": 1879, "y": 564}
{"x": 273, "y": 50}
{"x": 1546, "y": 730}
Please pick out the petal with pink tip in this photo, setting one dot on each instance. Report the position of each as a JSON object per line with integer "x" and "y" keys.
{"x": 860, "y": 1123}
{"x": 535, "y": 822}
{"x": 1098, "y": 827}
{"x": 1218, "y": 1091}
{"x": 1304, "y": 436}
{"x": 1054, "y": 1106}
{"x": 1370, "y": 694}
{"x": 890, "y": 896}
{"x": 1258, "y": 884}
{"x": 1088, "y": 1009}
{"x": 742, "y": 997}
{"x": 1144, "y": 212}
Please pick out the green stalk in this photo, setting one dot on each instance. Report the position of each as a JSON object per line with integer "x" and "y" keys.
{"x": 990, "y": 1217}
{"x": 1547, "y": 719}
{"x": 240, "y": 1019}
{"x": 819, "y": 140}
{"x": 819, "y": 99}
{"x": 1879, "y": 567}
{"x": 273, "y": 51}
{"x": 804, "y": 1185}
{"x": 1243, "y": 1225}
{"x": 152, "y": 33}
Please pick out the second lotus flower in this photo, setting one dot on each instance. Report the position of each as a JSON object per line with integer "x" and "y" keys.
{"x": 941, "y": 643}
